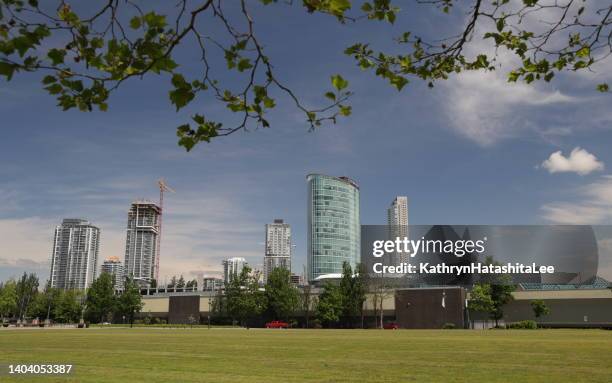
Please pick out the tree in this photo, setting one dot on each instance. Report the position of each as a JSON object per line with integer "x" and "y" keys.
{"x": 329, "y": 307}
{"x": 480, "y": 299}
{"x": 282, "y": 298}
{"x": 243, "y": 300}
{"x": 45, "y": 302}
{"x": 501, "y": 289}
{"x": 180, "y": 283}
{"x": 8, "y": 299}
{"x": 193, "y": 284}
{"x": 101, "y": 302}
{"x": 539, "y": 308}
{"x": 501, "y": 295}
{"x": 353, "y": 290}
{"x": 173, "y": 282}
{"x": 380, "y": 289}
{"x": 130, "y": 301}
{"x": 52, "y": 297}
{"x": 27, "y": 288}
{"x": 99, "y": 47}
{"x": 69, "y": 308}
{"x": 306, "y": 303}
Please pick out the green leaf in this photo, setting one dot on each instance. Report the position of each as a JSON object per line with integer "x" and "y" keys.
{"x": 135, "y": 22}
{"x": 56, "y": 55}
{"x": 339, "y": 6}
{"x": 54, "y": 89}
{"x": 398, "y": 82}
{"x": 244, "y": 64}
{"x": 583, "y": 52}
{"x": 154, "y": 20}
{"x": 7, "y": 70}
{"x": 187, "y": 142}
{"x": 338, "y": 82}
{"x": 269, "y": 103}
{"x": 181, "y": 97}
{"x": 603, "y": 87}
{"x": 345, "y": 110}
{"x": 331, "y": 96}
{"x": 49, "y": 80}
{"x": 500, "y": 24}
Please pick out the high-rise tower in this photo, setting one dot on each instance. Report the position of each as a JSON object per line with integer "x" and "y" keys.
{"x": 334, "y": 231}
{"x": 75, "y": 254}
{"x": 141, "y": 245}
{"x": 278, "y": 247}
{"x": 397, "y": 221}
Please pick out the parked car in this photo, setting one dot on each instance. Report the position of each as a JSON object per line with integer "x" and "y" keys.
{"x": 277, "y": 324}
{"x": 391, "y": 326}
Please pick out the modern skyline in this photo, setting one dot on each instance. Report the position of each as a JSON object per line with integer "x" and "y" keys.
{"x": 75, "y": 254}
{"x": 442, "y": 141}
{"x": 278, "y": 247}
{"x": 334, "y": 229}
{"x": 141, "y": 250}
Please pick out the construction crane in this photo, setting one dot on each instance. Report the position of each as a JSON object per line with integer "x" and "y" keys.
{"x": 163, "y": 187}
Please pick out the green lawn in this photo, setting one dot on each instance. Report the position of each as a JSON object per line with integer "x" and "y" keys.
{"x": 258, "y": 355}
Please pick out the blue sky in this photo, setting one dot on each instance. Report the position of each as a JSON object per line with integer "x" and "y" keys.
{"x": 469, "y": 151}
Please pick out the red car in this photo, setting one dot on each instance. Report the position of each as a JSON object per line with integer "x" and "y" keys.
{"x": 277, "y": 324}
{"x": 391, "y": 326}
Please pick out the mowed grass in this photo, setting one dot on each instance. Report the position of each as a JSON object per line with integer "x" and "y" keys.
{"x": 259, "y": 355}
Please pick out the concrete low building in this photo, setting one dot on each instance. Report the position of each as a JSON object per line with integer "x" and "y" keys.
{"x": 177, "y": 308}
{"x": 431, "y": 307}
{"x": 568, "y": 308}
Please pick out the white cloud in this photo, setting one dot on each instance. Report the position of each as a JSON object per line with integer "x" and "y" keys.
{"x": 579, "y": 161}
{"x": 573, "y": 214}
{"x": 594, "y": 207}
{"x": 484, "y": 107}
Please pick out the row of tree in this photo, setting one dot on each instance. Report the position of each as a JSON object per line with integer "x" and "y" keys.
{"x": 245, "y": 302}
{"x": 22, "y": 300}
{"x": 102, "y": 304}
{"x": 180, "y": 283}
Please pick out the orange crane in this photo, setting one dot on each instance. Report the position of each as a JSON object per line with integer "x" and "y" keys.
{"x": 163, "y": 187}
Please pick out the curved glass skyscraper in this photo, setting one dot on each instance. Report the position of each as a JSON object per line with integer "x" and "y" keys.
{"x": 333, "y": 224}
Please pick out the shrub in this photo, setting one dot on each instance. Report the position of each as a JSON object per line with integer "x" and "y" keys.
{"x": 524, "y": 324}
{"x": 448, "y": 326}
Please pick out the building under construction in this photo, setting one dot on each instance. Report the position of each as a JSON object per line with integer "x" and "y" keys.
{"x": 142, "y": 244}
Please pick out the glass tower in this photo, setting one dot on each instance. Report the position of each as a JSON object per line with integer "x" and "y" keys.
{"x": 333, "y": 224}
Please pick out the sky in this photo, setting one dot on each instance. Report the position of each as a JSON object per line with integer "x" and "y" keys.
{"x": 472, "y": 150}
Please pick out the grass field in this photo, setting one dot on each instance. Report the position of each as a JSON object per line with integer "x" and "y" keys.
{"x": 258, "y": 355}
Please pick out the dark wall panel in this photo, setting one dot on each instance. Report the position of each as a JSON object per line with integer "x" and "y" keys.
{"x": 182, "y": 307}
{"x": 422, "y": 308}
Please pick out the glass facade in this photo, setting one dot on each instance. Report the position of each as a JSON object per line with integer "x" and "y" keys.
{"x": 333, "y": 224}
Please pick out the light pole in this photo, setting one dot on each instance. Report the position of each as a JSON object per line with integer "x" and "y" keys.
{"x": 209, "y": 308}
